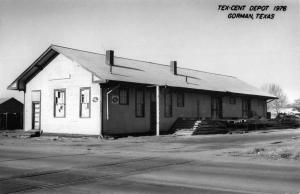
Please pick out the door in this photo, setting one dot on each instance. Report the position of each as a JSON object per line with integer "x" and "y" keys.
{"x": 216, "y": 108}
{"x": 246, "y": 108}
{"x": 198, "y": 108}
{"x": 36, "y": 109}
{"x": 36, "y": 115}
{"x": 249, "y": 108}
{"x": 152, "y": 111}
{"x": 13, "y": 121}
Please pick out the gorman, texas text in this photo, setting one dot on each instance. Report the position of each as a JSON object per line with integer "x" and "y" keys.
{"x": 250, "y": 16}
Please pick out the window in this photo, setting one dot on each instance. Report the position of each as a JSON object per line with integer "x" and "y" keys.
{"x": 232, "y": 100}
{"x": 140, "y": 103}
{"x": 60, "y": 103}
{"x": 123, "y": 96}
{"x": 180, "y": 99}
{"x": 168, "y": 103}
{"x": 85, "y": 103}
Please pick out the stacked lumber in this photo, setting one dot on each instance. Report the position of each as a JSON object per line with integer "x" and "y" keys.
{"x": 195, "y": 126}
{"x": 210, "y": 127}
{"x": 185, "y": 124}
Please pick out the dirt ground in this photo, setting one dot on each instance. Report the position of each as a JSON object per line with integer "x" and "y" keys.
{"x": 256, "y": 162}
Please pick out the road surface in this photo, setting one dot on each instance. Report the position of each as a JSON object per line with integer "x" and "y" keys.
{"x": 144, "y": 165}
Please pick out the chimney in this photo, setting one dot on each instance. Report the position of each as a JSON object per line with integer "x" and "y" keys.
{"x": 173, "y": 67}
{"x": 109, "y": 57}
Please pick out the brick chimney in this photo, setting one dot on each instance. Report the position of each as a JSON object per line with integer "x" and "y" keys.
{"x": 109, "y": 57}
{"x": 173, "y": 67}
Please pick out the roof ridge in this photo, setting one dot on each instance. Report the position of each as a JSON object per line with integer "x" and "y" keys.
{"x": 146, "y": 61}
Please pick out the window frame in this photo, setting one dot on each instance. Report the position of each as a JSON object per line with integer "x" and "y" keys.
{"x": 168, "y": 91}
{"x": 80, "y": 103}
{"x": 65, "y": 105}
{"x": 183, "y": 97}
{"x": 136, "y": 103}
{"x": 127, "y": 92}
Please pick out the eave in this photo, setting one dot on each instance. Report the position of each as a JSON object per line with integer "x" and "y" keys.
{"x": 38, "y": 65}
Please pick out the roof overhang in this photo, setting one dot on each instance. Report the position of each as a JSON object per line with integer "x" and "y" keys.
{"x": 252, "y": 95}
{"x": 37, "y": 66}
{"x": 219, "y": 93}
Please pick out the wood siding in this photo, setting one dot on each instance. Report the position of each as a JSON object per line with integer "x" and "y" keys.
{"x": 63, "y": 73}
{"x": 122, "y": 118}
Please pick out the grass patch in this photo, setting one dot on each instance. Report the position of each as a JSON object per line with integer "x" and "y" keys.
{"x": 289, "y": 150}
{"x": 256, "y": 150}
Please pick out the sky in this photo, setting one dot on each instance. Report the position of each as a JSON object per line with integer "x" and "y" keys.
{"x": 193, "y": 32}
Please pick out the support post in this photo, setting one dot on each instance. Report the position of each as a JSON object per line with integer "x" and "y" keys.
{"x": 107, "y": 101}
{"x": 107, "y": 109}
{"x": 6, "y": 121}
{"x": 157, "y": 110}
{"x": 101, "y": 112}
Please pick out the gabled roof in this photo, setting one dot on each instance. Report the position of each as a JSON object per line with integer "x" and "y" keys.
{"x": 136, "y": 71}
{"x": 3, "y": 100}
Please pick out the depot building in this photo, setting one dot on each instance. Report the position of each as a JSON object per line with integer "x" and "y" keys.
{"x": 70, "y": 91}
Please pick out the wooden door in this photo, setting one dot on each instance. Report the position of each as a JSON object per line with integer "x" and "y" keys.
{"x": 36, "y": 115}
{"x": 246, "y": 108}
{"x": 198, "y": 108}
{"x": 216, "y": 108}
{"x": 152, "y": 111}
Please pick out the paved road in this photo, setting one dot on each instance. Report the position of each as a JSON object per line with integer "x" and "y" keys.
{"x": 87, "y": 171}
